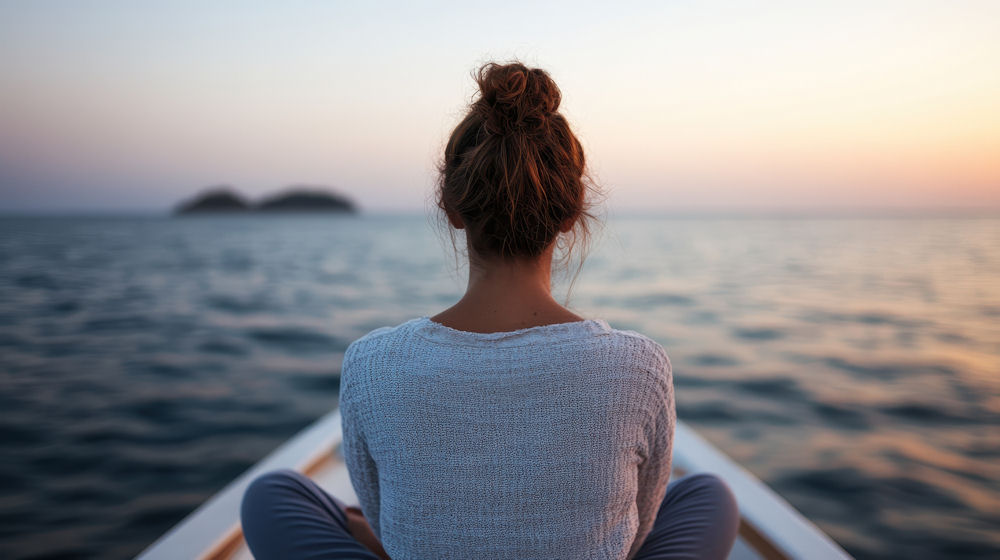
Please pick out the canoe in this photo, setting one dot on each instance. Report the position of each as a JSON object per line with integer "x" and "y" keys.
{"x": 770, "y": 528}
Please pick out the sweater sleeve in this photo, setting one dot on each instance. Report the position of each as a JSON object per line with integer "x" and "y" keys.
{"x": 654, "y": 471}
{"x": 360, "y": 465}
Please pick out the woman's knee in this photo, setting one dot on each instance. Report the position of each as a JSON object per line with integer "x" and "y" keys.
{"x": 712, "y": 491}
{"x": 264, "y": 490}
{"x": 707, "y": 483}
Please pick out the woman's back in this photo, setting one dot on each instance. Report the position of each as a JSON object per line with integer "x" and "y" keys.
{"x": 507, "y": 426}
{"x": 551, "y": 441}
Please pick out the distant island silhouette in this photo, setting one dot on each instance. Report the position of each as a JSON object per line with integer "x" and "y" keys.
{"x": 223, "y": 199}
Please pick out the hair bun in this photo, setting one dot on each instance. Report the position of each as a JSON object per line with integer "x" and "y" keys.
{"x": 515, "y": 98}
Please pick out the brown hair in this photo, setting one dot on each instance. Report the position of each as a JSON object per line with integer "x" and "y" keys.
{"x": 513, "y": 171}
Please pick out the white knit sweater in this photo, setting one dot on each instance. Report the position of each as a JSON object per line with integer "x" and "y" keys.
{"x": 545, "y": 442}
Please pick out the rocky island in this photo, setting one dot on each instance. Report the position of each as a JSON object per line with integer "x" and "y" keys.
{"x": 299, "y": 198}
{"x": 306, "y": 199}
{"x": 214, "y": 199}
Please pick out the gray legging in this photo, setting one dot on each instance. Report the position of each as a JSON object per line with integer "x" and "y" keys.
{"x": 287, "y": 516}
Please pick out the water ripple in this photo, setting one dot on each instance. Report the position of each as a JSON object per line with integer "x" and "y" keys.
{"x": 852, "y": 365}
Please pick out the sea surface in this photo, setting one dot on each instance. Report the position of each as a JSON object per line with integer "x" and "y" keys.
{"x": 852, "y": 364}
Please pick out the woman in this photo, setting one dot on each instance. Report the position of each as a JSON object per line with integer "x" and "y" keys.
{"x": 506, "y": 426}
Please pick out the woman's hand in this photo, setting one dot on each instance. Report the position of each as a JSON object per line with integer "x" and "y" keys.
{"x": 362, "y": 531}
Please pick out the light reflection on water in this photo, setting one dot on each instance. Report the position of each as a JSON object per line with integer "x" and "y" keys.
{"x": 854, "y": 365}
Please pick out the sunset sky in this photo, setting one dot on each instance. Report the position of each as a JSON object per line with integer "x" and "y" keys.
{"x": 131, "y": 106}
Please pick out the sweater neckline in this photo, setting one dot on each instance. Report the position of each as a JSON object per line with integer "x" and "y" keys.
{"x": 528, "y": 335}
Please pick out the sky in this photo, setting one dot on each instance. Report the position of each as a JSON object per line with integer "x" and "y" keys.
{"x": 133, "y": 106}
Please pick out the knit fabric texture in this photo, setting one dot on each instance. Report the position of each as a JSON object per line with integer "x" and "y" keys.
{"x": 546, "y": 442}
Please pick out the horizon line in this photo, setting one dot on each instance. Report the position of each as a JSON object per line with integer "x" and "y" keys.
{"x": 956, "y": 211}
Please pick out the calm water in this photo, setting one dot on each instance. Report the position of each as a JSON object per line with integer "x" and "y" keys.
{"x": 854, "y": 365}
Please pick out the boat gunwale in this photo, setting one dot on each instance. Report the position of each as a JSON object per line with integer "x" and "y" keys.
{"x": 772, "y": 526}
{"x": 210, "y": 530}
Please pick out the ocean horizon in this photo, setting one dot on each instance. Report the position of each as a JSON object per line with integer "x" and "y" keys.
{"x": 826, "y": 211}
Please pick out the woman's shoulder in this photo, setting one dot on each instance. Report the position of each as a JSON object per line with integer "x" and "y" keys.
{"x": 642, "y": 346}
{"x": 647, "y": 359}
{"x": 379, "y": 337}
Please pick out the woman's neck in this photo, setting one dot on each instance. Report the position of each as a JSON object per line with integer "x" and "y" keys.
{"x": 506, "y": 295}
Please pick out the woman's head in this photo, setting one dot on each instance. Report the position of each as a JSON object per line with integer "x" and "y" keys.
{"x": 514, "y": 174}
